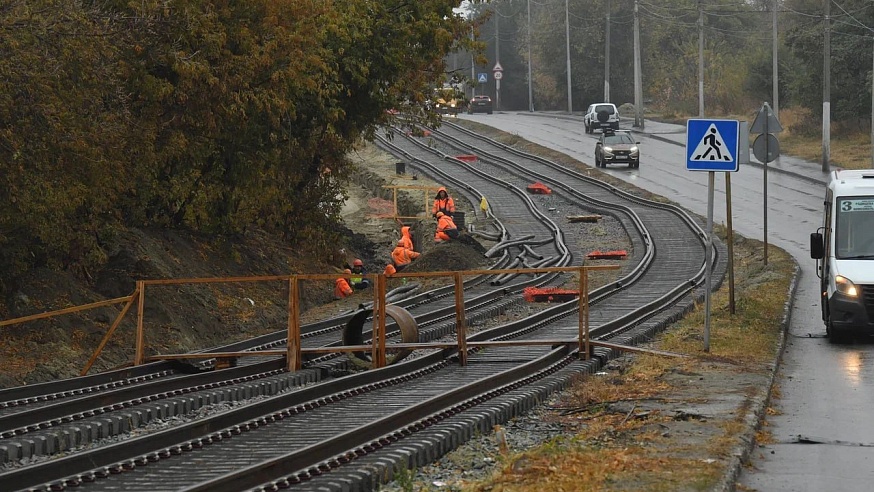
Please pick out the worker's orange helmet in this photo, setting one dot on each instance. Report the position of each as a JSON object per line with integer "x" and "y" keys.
{"x": 357, "y": 262}
{"x": 439, "y": 214}
{"x": 347, "y": 271}
{"x": 401, "y": 242}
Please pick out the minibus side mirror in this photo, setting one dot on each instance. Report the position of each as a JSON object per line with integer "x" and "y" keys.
{"x": 817, "y": 248}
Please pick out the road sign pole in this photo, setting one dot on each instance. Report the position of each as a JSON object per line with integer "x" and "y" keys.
{"x": 708, "y": 253}
{"x": 765, "y": 191}
{"x": 730, "y": 236}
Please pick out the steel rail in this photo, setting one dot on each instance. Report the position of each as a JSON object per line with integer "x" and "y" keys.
{"x": 557, "y": 313}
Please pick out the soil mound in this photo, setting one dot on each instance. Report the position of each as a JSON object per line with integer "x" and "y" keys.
{"x": 464, "y": 253}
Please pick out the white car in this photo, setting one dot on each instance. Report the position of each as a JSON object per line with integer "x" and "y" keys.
{"x": 600, "y": 116}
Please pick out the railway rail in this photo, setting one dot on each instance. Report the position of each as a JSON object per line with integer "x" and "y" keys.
{"x": 344, "y": 433}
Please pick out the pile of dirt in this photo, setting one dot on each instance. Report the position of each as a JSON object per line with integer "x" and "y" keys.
{"x": 464, "y": 253}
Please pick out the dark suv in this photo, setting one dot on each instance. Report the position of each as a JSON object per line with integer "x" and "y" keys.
{"x": 614, "y": 147}
{"x": 480, "y": 104}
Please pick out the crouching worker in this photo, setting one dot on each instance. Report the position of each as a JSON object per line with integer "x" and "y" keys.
{"x": 402, "y": 256}
{"x": 341, "y": 287}
{"x": 446, "y": 229}
{"x": 358, "y": 281}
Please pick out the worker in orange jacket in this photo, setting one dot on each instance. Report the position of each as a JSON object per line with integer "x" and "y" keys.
{"x": 443, "y": 203}
{"x": 403, "y": 256}
{"x": 342, "y": 289}
{"x": 446, "y": 229}
{"x": 407, "y": 238}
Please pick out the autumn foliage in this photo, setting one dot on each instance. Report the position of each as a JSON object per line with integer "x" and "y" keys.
{"x": 214, "y": 116}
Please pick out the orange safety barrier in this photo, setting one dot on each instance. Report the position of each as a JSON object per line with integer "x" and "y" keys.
{"x": 549, "y": 294}
{"x": 620, "y": 254}
{"x": 539, "y": 188}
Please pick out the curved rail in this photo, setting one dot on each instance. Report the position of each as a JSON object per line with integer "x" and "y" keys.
{"x": 311, "y": 433}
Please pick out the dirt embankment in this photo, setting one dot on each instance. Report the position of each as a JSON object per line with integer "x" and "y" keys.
{"x": 185, "y": 317}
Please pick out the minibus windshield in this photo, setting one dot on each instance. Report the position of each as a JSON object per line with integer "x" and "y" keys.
{"x": 854, "y": 228}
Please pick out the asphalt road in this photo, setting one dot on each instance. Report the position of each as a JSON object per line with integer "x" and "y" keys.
{"x": 824, "y": 431}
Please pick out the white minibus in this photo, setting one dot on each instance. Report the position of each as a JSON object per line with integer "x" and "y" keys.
{"x": 844, "y": 252}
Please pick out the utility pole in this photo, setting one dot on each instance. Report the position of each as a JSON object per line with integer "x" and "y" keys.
{"x": 774, "y": 68}
{"x": 530, "y": 82}
{"x": 607, "y": 58}
{"x": 638, "y": 84}
{"x": 826, "y": 86}
{"x": 567, "y": 37}
{"x": 497, "y": 57}
{"x": 872, "y": 110}
{"x": 700, "y": 60}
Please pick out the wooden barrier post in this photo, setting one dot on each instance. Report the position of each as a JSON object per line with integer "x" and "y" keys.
{"x": 380, "y": 282}
{"x": 141, "y": 339}
{"x": 133, "y": 298}
{"x": 584, "y": 312}
{"x": 374, "y": 331}
{"x": 427, "y": 205}
{"x": 293, "y": 355}
{"x": 461, "y": 330}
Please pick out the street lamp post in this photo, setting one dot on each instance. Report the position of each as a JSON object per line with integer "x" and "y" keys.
{"x": 530, "y": 82}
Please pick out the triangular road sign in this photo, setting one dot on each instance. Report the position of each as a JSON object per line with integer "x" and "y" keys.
{"x": 711, "y": 147}
{"x": 498, "y": 67}
{"x": 766, "y": 115}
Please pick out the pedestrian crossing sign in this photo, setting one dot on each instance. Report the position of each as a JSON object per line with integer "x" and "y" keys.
{"x": 711, "y": 145}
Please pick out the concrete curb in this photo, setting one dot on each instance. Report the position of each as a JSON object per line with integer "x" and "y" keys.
{"x": 756, "y": 413}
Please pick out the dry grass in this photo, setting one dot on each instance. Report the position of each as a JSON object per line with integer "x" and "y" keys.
{"x": 619, "y": 450}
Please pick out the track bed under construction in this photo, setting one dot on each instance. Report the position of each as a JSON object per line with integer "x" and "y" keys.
{"x": 310, "y": 430}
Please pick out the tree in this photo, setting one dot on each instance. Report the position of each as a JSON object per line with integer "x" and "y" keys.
{"x": 213, "y": 116}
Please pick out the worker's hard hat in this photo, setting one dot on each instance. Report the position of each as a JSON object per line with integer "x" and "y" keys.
{"x": 401, "y": 242}
{"x": 357, "y": 262}
{"x": 347, "y": 271}
{"x": 439, "y": 214}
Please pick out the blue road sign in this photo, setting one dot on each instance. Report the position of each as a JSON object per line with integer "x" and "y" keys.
{"x": 711, "y": 145}
{"x": 482, "y": 77}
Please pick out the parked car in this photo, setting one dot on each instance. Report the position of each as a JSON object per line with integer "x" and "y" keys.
{"x": 480, "y": 104}
{"x": 600, "y": 116}
{"x": 613, "y": 147}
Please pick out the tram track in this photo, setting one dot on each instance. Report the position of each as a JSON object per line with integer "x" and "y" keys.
{"x": 551, "y": 323}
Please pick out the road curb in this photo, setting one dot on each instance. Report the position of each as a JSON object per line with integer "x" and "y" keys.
{"x": 757, "y": 412}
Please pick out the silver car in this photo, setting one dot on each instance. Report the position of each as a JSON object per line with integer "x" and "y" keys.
{"x": 615, "y": 147}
